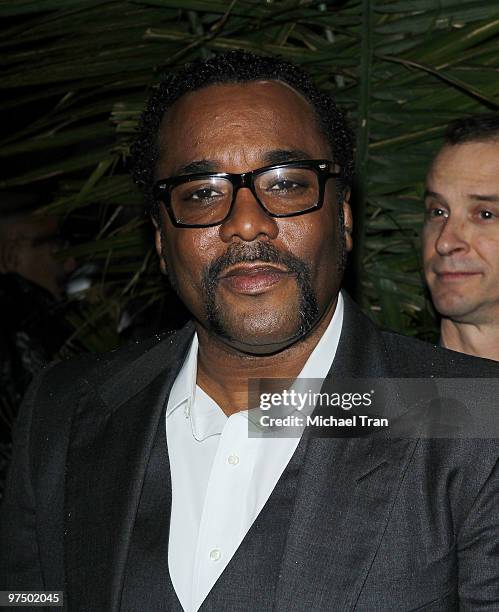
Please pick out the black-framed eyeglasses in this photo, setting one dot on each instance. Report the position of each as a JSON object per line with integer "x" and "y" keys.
{"x": 282, "y": 190}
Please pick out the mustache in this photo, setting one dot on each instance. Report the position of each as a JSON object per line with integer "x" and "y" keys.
{"x": 267, "y": 253}
{"x": 247, "y": 253}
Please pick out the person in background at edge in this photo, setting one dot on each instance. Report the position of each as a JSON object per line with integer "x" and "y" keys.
{"x": 32, "y": 327}
{"x": 461, "y": 236}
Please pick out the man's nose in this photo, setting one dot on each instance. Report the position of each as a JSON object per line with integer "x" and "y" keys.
{"x": 452, "y": 237}
{"x": 248, "y": 220}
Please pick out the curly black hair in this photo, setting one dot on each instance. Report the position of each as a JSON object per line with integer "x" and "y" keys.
{"x": 234, "y": 67}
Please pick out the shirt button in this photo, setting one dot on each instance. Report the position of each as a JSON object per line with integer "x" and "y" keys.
{"x": 215, "y": 554}
{"x": 233, "y": 459}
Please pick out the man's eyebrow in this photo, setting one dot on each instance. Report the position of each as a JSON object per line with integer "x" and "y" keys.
{"x": 281, "y": 156}
{"x": 484, "y": 198}
{"x": 434, "y": 195}
{"x": 195, "y": 167}
{"x": 277, "y": 156}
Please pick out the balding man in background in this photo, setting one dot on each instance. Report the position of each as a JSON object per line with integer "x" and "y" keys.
{"x": 461, "y": 236}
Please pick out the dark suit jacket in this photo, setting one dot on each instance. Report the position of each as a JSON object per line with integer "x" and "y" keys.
{"x": 379, "y": 523}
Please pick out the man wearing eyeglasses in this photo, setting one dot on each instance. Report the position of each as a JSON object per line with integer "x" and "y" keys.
{"x": 246, "y": 167}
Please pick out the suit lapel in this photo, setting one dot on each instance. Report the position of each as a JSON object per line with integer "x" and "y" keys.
{"x": 346, "y": 494}
{"x": 347, "y": 490}
{"x": 111, "y": 440}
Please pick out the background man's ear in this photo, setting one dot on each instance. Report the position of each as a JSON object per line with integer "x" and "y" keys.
{"x": 158, "y": 240}
{"x": 348, "y": 220}
{"x": 10, "y": 248}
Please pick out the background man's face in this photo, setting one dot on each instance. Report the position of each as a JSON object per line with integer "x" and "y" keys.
{"x": 461, "y": 232}
{"x": 28, "y": 248}
{"x": 238, "y": 128}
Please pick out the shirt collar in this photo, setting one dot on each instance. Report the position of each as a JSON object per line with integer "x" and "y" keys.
{"x": 207, "y": 418}
{"x": 321, "y": 358}
{"x": 205, "y": 415}
{"x": 183, "y": 389}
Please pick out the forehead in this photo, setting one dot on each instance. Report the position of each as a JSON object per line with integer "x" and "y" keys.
{"x": 471, "y": 167}
{"x": 31, "y": 227}
{"x": 236, "y": 122}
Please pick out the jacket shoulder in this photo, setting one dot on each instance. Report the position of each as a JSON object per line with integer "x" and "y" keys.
{"x": 421, "y": 359}
{"x": 96, "y": 368}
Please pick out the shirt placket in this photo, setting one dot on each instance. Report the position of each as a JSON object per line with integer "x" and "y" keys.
{"x": 229, "y": 499}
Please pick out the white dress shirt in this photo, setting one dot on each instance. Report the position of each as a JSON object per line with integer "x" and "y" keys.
{"x": 221, "y": 477}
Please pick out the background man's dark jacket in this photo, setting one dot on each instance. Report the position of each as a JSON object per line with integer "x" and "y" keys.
{"x": 373, "y": 523}
{"x": 32, "y": 330}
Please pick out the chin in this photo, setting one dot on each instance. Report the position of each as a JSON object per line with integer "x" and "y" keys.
{"x": 459, "y": 309}
{"x": 264, "y": 325}
{"x": 264, "y": 346}
{"x": 255, "y": 336}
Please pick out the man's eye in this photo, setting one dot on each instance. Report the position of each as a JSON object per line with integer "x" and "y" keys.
{"x": 436, "y": 213}
{"x": 285, "y": 185}
{"x": 205, "y": 194}
{"x": 486, "y": 215}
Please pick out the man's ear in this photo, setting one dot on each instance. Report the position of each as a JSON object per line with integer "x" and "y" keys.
{"x": 348, "y": 220}
{"x": 158, "y": 240}
{"x": 10, "y": 251}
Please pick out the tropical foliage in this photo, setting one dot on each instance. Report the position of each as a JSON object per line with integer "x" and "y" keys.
{"x": 76, "y": 74}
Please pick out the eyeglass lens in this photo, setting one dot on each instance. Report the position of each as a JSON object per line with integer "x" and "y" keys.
{"x": 281, "y": 190}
